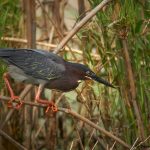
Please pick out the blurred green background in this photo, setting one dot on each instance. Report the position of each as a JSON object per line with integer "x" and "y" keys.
{"x": 114, "y": 44}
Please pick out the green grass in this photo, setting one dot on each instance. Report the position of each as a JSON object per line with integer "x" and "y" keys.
{"x": 131, "y": 15}
{"x": 9, "y": 20}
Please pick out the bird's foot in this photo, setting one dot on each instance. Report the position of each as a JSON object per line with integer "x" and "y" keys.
{"x": 16, "y": 99}
{"x": 12, "y": 95}
{"x": 51, "y": 106}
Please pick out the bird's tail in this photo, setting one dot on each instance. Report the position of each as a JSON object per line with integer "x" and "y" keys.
{"x": 6, "y": 52}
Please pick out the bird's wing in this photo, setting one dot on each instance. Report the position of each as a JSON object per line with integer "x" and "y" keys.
{"x": 50, "y": 55}
{"x": 35, "y": 63}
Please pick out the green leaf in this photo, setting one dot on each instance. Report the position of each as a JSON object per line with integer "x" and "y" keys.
{"x": 138, "y": 26}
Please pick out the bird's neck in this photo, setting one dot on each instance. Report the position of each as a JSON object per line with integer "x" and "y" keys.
{"x": 74, "y": 69}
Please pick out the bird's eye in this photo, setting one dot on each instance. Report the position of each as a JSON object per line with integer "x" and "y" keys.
{"x": 90, "y": 73}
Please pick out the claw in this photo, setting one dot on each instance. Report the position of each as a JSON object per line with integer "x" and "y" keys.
{"x": 17, "y": 106}
{"x": 51, "y": 106}
{"x": 12, "y": 95}
{"x": 54, "y": 108}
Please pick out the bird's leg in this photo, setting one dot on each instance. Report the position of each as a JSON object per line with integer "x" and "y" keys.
{"x": 50, "y": 104}
{"x": 12, "y": 95}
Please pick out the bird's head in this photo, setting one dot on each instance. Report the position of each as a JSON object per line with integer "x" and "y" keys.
{"x": 88, "y": 74}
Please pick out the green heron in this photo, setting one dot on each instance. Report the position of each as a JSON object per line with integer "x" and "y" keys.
{"x": 45, "y": 69}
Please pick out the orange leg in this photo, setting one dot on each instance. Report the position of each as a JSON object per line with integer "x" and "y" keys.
{"x": 12, "y": 95}
{"x": 50, "y": 105}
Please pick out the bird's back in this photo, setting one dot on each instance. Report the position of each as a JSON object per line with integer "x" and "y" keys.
{"x": 35, "y": 63}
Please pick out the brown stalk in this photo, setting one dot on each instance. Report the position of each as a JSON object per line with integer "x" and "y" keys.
{"x": 60, "y": 35}
{"x": 132, "y": 91}
{"x": 80, "y": 24}
{"x": 78, "y": 116}
{"x": 31, "y": 38}
{"x": 78, "y": 134}
{"x": 47, "y": 46}
{"x": 18, "y": 145}
{"x": 30, "y": 22}
{"x": 22, "y": 96}
{"x": 56, "y": 16}
{"x": 49, "y": 18}
{"x": 94, "y": 145}
{"x": 81, "y": 6}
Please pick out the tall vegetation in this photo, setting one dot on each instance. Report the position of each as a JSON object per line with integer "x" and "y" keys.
{"x": 115, "y": 45}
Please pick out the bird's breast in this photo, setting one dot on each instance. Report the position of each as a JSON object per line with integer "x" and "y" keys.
{"x": 63, "y": 84}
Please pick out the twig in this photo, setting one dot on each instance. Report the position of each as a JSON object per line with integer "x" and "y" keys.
{"x": 60, "y": 35}
{"x": 113, "y": 146}
{"x": 94, "y": 126}
{"x": 51, "y": 20}
{"x": 92, "y": 133}
{"x": 134, "y": 144}
{"x": 47, "y": 46}
{"x": 71, "y": 146}
{"x": 18, "y": 145}
{"x": 8, "y": 116}
{"x": 78, "y": 116}
{"x": 94, "y": 145}
{"x": 78, "y": 134}
{"x": 21, "y": 40}
{"x": 81, "y": 24}
{"x": 135, "y": 147}
{"x": 22, "y": 95}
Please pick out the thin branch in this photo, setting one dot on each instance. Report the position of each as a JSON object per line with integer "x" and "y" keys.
{"x": 81, "y": 24}
{"x": 51, "y": 20}
{"x": 24, "y": 41}
{"x": 60, "y": 35}
{"x": 113, "y": 146}
{"x": 140, "y": 144}
{"x": 78, "y": 135}
{"x": 18, "y": 145}
{"x": 94, "y": 145}
{"x": 47, "y": 46}
{"x": 78, "y": 116}
{"x": 21, "y": 96}
{"x": 133, "y": 146}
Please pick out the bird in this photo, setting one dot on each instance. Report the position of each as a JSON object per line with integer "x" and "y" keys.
{"x": 46, "y": 70}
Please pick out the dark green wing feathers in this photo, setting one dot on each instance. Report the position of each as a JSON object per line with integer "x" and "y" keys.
{"x": 39, "y": 65}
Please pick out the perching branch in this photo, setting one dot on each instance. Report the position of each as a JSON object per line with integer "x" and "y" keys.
{"x": 76, "y": 115}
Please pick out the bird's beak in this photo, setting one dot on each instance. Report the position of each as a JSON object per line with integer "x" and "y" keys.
{"x": 100, "y": 80}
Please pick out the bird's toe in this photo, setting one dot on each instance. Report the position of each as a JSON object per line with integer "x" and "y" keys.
{"x": 52, "y": 107}
{"x": 16, "y": 99}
